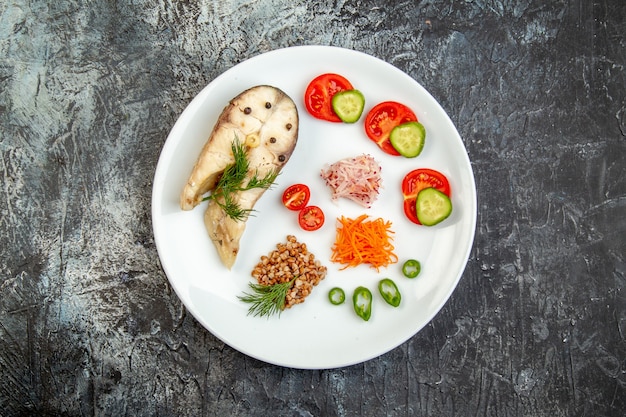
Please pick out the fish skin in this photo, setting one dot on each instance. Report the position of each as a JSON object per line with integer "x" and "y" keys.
{"x": 234, "y": 124}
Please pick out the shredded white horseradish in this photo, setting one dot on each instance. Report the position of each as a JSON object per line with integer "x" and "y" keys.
{"x": 357, "y": 179}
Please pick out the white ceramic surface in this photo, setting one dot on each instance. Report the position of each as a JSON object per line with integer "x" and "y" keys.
{"x": 315, "y": 334}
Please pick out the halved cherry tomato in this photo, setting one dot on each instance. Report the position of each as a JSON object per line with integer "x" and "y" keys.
{"x": 381, "y": 120}
{"x": 414, "y": 182}
{"x": 296, "y": 196}
{"x": 311, "y": 218}
{"x": 320, "y": 91}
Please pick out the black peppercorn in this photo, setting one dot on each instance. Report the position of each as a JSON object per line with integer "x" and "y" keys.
{"x": 272, "y": 140}
{"x": 268, "y": 105}
{"x": 288, "y": 126}
{"x": 247, "y": 110}
{"x": 281, "y": 158}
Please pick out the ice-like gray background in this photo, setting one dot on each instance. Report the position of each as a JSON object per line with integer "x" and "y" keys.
{"x": 89, "y": 324}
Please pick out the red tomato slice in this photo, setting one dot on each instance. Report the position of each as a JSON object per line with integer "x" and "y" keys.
{"x": 414, "y": 182}
{"x": 381, "y": 120}
{"x": 296, "y": 197}
{"x": 311, "y": 218}
{"x": 320, "y": 91}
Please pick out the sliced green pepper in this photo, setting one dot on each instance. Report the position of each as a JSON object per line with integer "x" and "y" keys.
{"x": 389, "y": 291}
{"x": 362, "y": 302}
{"x": 336, "y": 296}
{"x": 411, "y": 268}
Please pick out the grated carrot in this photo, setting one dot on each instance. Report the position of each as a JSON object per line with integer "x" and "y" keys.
{"x": 360, "y": 241}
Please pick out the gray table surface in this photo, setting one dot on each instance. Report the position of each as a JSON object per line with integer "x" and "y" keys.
{"x": 89, "y": 324}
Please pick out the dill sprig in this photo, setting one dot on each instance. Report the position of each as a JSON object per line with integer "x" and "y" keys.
{"x": 267, "y": 300}
{"x": 232, "y": 181}
{"x": 265, "y": 182}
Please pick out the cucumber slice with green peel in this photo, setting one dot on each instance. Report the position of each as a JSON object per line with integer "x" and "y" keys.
{"x": 408, "y": 138}
{"x": 432, "y": 206}
{"x": 348, "y": 105}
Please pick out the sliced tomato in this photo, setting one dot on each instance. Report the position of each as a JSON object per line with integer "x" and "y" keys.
{"x": 311, "y": 218}
{"x": 381, "y": 120}
{"x": 415, "y": 181}
{"x": 319, "y": 93}
{"x": 296, "y": 196}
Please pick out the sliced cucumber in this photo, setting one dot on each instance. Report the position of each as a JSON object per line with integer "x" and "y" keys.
{"x": 408, "y": 138}
{"x": 432, "y": 206}
{"x": 348, "y": 105}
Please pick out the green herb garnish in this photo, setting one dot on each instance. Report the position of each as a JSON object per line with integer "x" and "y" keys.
{"x": 232, "y": 181}
{"x": 267, "y": 300}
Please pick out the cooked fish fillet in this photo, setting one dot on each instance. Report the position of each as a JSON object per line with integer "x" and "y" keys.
{"x": 265, "y": 119}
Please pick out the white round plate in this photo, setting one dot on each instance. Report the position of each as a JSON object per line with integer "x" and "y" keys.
{"x": 315, "y": 334}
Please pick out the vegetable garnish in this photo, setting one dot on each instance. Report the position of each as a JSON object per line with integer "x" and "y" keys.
{"x": 432, "y": 206}
{"x": 389, "y": 291}
{"x": 311, "y": 218}
{"x": 414, "y": 182}
{"x": 336, "y": 296}
{"x": 381, "y": 120}
{"x": 267, "y": 300}
{"x": 319, "y": 93}
{"x": 358, "y": 179}
{"x": 363, "y": 242}
{"x": 233, "y": 180}
{"x": 362, "y": 302}
{"x": 296, "y": 196}
{"x": 348, "y": 105}
{"x": 408, "y": 139}
{"x": 411, "y": 268}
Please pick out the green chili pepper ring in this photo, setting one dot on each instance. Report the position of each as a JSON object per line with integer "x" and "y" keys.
{"x": 411, "y": 268}
{"x": 336, "y": 296}
{"x": 362, "y": 302}
{"x": 389, "y": 291}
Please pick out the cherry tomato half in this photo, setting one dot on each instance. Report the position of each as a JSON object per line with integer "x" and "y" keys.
{"x": 296, "y": 196}
{"x": 414, "y": 182}
{"x": 381, "y": 120}
{"x": 311, "y": 218}
{"x": 319, "y": 93}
